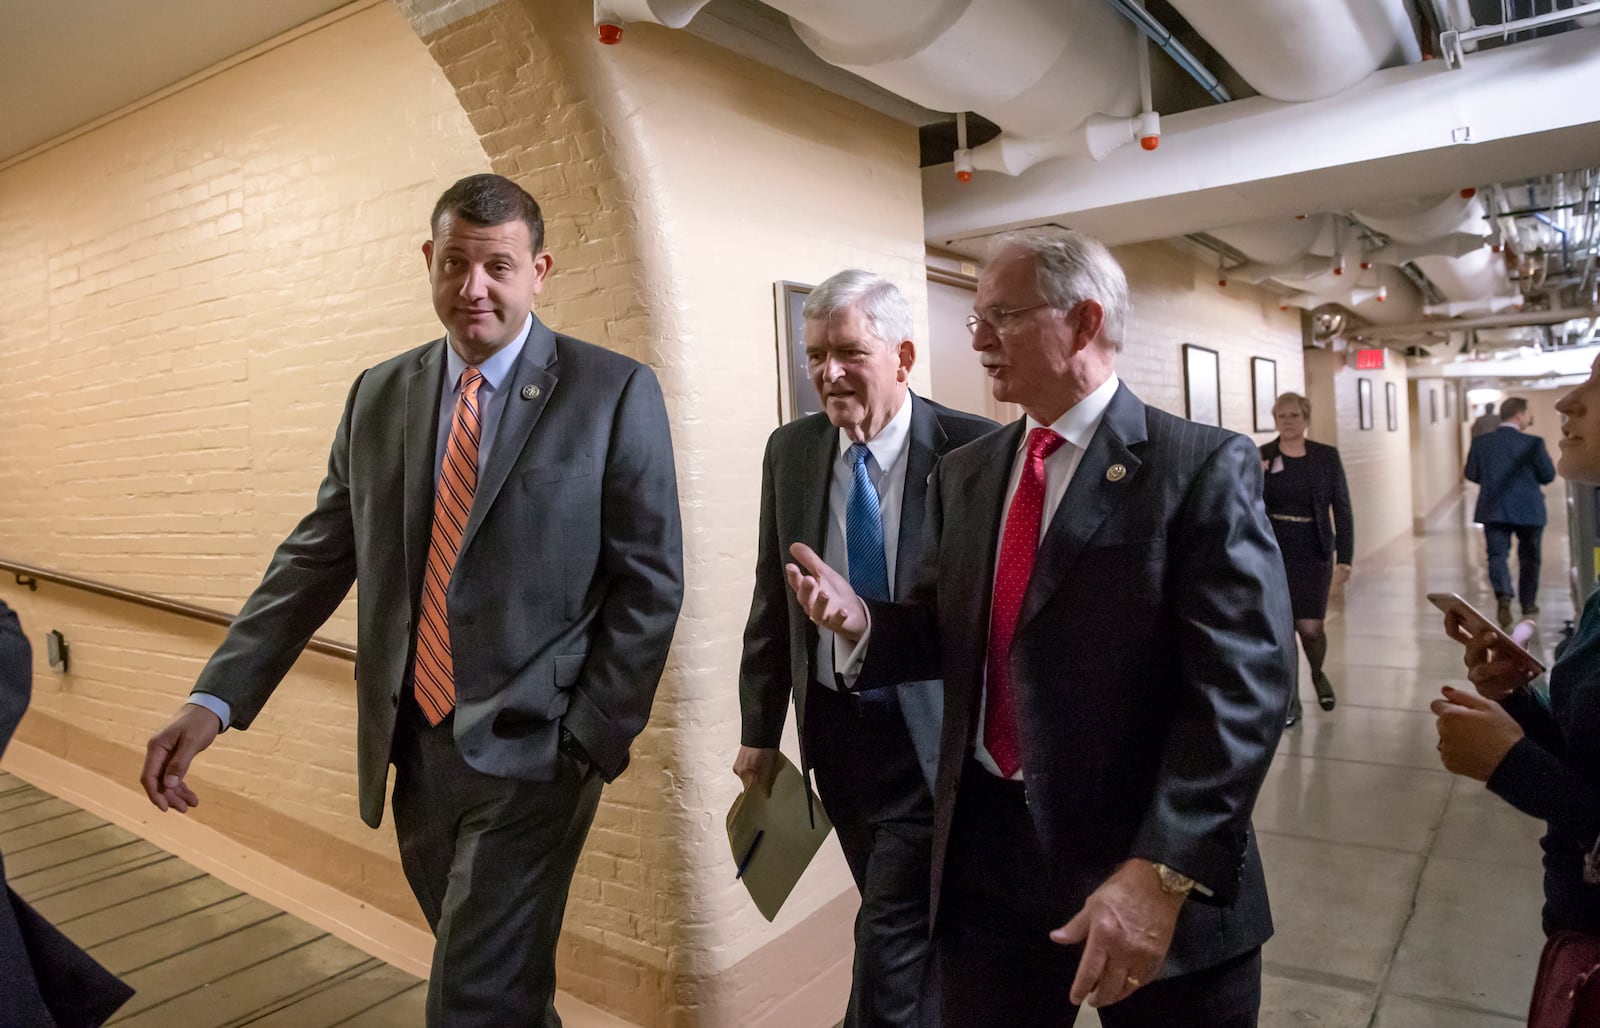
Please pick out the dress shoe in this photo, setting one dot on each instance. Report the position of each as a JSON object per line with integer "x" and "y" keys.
{"x": 1529, "y": 612}
{"x": 1324, "y": 688}
{"x": 1503, "y": 613}
{"x": 1293, "y": 717}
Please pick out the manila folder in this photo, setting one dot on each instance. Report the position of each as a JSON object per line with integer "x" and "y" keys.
{"x": 774, "y": 837}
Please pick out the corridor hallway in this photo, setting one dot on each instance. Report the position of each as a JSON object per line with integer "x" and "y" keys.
{"x": 1404, "y": 896}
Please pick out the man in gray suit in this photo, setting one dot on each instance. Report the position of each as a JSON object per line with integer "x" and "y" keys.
{"x": 851, "y": 482}
{"x": 1104, "y": 598}
{"x": 505, "y": 499}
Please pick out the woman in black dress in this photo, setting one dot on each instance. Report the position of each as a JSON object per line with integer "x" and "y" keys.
{"x": 1303, "y": 484}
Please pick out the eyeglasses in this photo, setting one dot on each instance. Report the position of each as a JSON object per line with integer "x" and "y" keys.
{"x": 999, "y": 318}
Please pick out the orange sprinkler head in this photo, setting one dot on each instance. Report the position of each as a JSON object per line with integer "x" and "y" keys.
{"x": 610, "y": 34}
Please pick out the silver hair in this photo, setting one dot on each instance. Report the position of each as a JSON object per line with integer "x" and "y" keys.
{"x": 879, "y": 301}
{"x": 1070, "y": 267}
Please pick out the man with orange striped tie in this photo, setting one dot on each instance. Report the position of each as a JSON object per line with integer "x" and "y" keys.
{"x": 505, "y": 497}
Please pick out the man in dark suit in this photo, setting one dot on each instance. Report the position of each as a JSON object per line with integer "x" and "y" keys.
{"x": 851, "y": 483}
{"x": 1106, "y": 604}
{"x": 45, "y": 979}
{"x": 505, "y": 499}
{"x": 1511, "y": 468}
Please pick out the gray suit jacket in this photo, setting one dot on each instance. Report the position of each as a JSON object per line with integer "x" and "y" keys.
{"x": 566, "y": 590}
{"x": 779, "y": 640}
{"x": 1151, "y": 665}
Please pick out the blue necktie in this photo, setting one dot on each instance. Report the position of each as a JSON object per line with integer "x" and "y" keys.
{"x": 863, "y": 530}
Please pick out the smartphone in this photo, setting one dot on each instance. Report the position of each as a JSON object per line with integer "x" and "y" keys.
{"x": 1477, "y": 622}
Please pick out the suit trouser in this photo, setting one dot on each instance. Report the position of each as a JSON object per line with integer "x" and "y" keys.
{"x": 871, "y": 785}
{"x": 997, "y": 908}
{"x": 490, "y": 861}
{"x": 1497, "y": 535}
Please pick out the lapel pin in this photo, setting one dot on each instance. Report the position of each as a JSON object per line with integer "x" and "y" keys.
{"x": 530, "y": 392}
{"x": 1116, "y": 473}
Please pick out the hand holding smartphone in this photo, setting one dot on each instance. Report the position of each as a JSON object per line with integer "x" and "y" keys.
{"x": 1477, "y": 623}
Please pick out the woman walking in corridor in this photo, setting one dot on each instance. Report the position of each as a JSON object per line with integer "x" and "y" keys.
{"x": 1303, "y": 482}
{"x": 1541, "y": 752}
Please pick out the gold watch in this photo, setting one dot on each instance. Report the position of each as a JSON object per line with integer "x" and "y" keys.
{"x": 1173, "y": 883}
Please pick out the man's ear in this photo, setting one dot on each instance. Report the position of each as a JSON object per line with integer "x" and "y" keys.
{"x": 1088, "y": 318}
{"x": 907, "y": 354}
{"x": 543, "y": 264}
{"x": 427, "y": 253}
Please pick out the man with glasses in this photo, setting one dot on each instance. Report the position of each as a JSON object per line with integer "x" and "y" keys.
{"x": 851, "y": 482}
{"x": 1104, "y": 599}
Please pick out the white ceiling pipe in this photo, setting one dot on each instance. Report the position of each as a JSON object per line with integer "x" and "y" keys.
{"x": 1275, "y": 240}
{"x": 1294, "y": 272}
{"x": 1029, "y": 67}
{"x": 1094, "y": 139}
{"x": 1456, "y": 308}
{"x": 1426, "y": 218}
{"x": 1479, "y": 273}
{"x": 1304, "y": 49}
{"x": 1456, "y": 244}
{"x": 611, "y": 15}
{"x": 1399, "y": 298}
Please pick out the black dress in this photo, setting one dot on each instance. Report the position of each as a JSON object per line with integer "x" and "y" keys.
{"x": 1300, "y": 493}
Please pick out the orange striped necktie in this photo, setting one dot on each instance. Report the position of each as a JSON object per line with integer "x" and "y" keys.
{"x": 434, "y": 677}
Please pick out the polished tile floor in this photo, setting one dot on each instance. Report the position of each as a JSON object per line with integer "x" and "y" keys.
{"x": 1404, "y": 897}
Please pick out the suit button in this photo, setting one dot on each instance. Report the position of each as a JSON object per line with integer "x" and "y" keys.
{"x": 394, "y": 701}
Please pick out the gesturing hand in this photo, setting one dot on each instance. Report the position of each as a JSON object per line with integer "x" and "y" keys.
{"x": 825, "y": 595}
{"x": 1125, "y": 926}
{"x": 1475, "y": 734}
{"x": 170, "y": 751}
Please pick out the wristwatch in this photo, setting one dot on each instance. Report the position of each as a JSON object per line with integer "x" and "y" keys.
{"x": 1173, "y": 883}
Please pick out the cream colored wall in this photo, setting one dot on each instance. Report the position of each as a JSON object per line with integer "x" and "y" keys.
{"x": 1377, "y": 462}
{"x": 1175, "y": 299}
{"x": 1437, "y": 456}
{"x": 185, "y": 296}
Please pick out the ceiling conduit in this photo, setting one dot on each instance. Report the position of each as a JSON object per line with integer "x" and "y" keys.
{"x": 1299, "y": 50}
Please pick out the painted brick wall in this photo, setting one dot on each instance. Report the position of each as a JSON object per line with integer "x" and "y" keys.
{"x": 185, "y": 295}
{"x": 1377, "y": 462}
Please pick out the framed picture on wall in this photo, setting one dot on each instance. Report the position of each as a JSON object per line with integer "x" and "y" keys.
{"x": 796, "y": 396}
{"x": 1264, "y": 388}
{"x": 1202, "y": 385}
{"x": 1364, "y": 399}
{"x": 1433, "y": 405}
{"x": 1392, "y": 405}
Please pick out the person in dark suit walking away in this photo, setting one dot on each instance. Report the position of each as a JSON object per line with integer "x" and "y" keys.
{"x": 46, "y": 981}
{"x": 506, "y": 501}
{"x": 1486, "y": 422}
{"x": 1304, "y": 483}
{"x": 1104, "y": 600}
{"x": 1511, "y": 469}
{"x": 851, "y": 483}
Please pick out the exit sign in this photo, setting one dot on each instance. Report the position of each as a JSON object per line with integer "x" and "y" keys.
{"x": 1368, "y": 360}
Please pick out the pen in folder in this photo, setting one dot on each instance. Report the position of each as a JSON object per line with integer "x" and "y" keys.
{"x": 749, "y": 854}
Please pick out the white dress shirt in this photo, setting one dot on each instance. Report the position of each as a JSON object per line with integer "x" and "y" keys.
{"x": 887, "y": 469}
{"x": 1077, "y": 426}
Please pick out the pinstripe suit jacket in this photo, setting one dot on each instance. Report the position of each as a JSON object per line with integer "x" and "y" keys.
{"x": 1152, "y": 661}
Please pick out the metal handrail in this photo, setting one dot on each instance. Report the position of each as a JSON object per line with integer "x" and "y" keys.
{"x": 30, "y": 577}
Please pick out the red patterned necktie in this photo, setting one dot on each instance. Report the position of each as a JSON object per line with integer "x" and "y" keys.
{"x": 1017, "y": 549}
{"x": 435, "y": 678}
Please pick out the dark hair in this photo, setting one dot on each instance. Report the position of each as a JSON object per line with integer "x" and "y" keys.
{"x": 1488, "y": 408}
{"x": 490, "y": 200}
{"x": 1512, "y": 407}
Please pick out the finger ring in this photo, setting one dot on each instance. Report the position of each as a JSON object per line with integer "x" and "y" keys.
{"x": 1134, "y": 982}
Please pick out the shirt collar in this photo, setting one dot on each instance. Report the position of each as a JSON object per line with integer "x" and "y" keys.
{"x": 495, "y": 370}
{"x": 887, "y": 446}
{"x": 1078, "y": 424}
